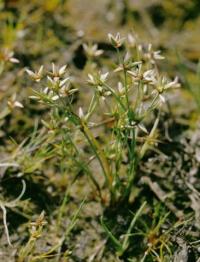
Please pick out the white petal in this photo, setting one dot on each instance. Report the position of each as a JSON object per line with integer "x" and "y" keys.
{"x": 91, "y": 78}
{"x": 85, "y": 47}
{"x": 53, "y": 68}
{"x": 174, "y": 83}
{"x": 29, "y": 72}
{"x": 110, "y": 37}
{"x": 33, "y": 97}
{"x": 103, "y": 77}
{"x": 98, "y": 52}
{"x": 64, "y": 81}
{"x": 127, "y": 57}
{"x": 162, "y": 98}
{"x": 121, "y": 88}
{"x": 143, "y": 128}
{"x": 107, "y": 93}
{"x": 54, "y": 98}
{"x": 14, "y": 60}
{"x": 158, "y": 56}
{"x": 50, "y": 79}
{"x": 118, "y": 36}
{"x": 94, "y": 47}
{"x": 80, "y": 112}
{"x": 18, "y": 104}
{"x": 134, "y": 74}
{"x": 40, "y": 70}
{"x": 71, "y": 91}
{"x": 62, "y": 70}
{"x": 45, "y": 91}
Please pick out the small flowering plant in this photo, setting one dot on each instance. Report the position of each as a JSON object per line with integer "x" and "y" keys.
{"x": 126, "y": 96}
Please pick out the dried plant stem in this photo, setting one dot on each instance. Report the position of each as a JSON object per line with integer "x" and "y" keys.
{"x": 5, "y": 223}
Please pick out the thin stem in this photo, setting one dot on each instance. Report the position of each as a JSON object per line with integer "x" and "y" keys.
{"x": 115, "y": 96}
{"x": 126, "y": 89}
{"x": 126, "y": 239}
{"x": 99, "y": 154}
{"x": 92, "y": 107}
{"x": 85, "y": 167}
{"x": 133, "y": 163}
{"x": 125, "y": 77}
{"x": 5, "y": 223}
{"x": 119, "y": 56}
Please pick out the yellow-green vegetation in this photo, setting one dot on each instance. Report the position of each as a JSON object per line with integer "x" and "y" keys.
{"x": 99, "y": 130}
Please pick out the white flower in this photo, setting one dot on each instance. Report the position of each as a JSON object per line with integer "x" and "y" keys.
{"x": 35, "y": 75}
{"x": 173, "y": 84}
{"x": 7, "y": 55}
{"x": 92, "y": 50}
{"x": 127, "y": 64}
{"x": 148, "y": 77}
{"x": 12, "y": 103}
{"x": 103, "y": 77}
{"x": 98, "y": 79}
{"x": 152, "y": 56}
{"x": 56, "y": 84}
{"x": 57, "y": 72}
{"x": 162, "y": 85}
{"x": 116, "y": 41}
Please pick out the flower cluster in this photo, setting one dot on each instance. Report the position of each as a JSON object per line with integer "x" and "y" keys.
{"x": 117, "y": 40}
{"x": 98, "y": 80}
{"x": 57, "y": 85}
{"x": 162, "y": 84}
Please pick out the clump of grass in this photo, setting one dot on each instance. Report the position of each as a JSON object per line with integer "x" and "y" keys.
{"x": 128, "y": 96}
{"x": 29, "y": 250}
{"x": 122, "y": 246}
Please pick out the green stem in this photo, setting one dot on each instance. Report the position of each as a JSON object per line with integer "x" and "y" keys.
{"x": 99, "y": 154}
{"x": 133, "y": 164}
{"x": 91, "y": 108}
{"x": 126, "y": 89}
{"x": 125, "y": 243}
{"x": 125, "y": 77}
{"x": 115, "y": 96}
